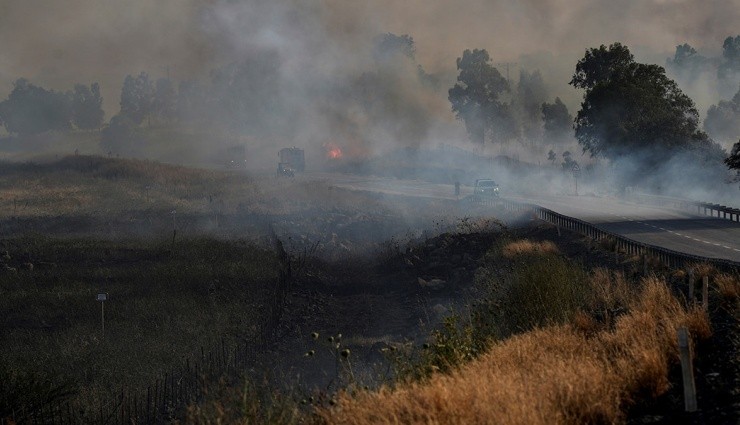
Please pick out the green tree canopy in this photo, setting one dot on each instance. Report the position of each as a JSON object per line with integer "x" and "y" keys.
{"x": 137, "y": 98}
{"x": 730, "y": 58}
{"x": 87, "y": 107}
{"x": 601, "y": 65}
{"x": 31, "y": 109}
{"x": 723, "y": 119}
{"x": 558, "y": 121}
{"x": 476, "y": 97}
{"x": 633, "y": 109}
{"x": 733, "y": 161}
{"x": 388, "y": 45}
{"x": 686, "y": 62}
{"x": 530, "y": 94}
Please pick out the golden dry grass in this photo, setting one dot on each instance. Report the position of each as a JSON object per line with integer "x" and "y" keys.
{"x": 528, "y": 247}
{"x": 728, "y": 286}
{"x": 552, "y": 375}
{"x": 703, "y": 269}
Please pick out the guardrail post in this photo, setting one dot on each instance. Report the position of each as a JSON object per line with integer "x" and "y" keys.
{"x": 687, "y": 369}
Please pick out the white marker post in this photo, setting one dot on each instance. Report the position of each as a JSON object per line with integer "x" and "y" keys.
{"x": 102, "y": 297}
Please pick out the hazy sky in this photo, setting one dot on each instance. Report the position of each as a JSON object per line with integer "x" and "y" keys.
{"x": 57, "y": 43}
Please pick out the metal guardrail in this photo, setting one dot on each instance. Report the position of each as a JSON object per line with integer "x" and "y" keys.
{"x": 700, "y": 208}
{"x": 669, "y": 257}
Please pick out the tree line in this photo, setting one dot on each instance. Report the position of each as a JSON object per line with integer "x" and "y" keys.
{"x": 30, "y": 109}
{"x": 628, "y": 109}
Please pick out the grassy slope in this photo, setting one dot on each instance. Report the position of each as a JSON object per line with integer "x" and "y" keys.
{"x": 581, "y": 371}
{"x": 164, "y": 303}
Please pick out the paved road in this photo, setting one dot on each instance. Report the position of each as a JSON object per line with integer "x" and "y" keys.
{"x": 673, "y": 229}
{"x": 677, "y": 230}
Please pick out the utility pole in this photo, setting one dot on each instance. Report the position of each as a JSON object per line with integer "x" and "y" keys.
{"x": 507, "y": 65}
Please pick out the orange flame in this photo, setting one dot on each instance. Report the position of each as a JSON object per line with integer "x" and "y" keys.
{"x": 333, "y": 151}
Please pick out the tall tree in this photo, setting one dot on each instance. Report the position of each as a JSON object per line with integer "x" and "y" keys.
{"x": 247, "y": 95}
{"x": 733, "y": 160}
{"x": 601, "y": 65}
{"x": 686, "y": 63}
{"x": 388, "y": 45}
{"x": 730, "y": 65}
{"x": 723, "y": 119}
{"x": 531, "y": 92}
{"x": 632, "y": 110}
{"x": 476, "y": 97}
{"x": 137, "y": 97}
{"x": 164, "y": 101}
{"x": 31, "y": 109}
{"x": 558, "y": 122}
{"x": 87, "y": 107}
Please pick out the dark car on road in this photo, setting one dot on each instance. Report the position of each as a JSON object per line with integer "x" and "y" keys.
{"x": 485, "y": 188}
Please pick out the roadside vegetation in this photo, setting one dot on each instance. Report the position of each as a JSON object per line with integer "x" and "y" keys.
{"x": 550, "y": 341}
{"x": 546, "y": 338}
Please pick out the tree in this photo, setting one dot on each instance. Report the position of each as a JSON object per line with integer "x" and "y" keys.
{"x": 475, "y": 98}
{"x": 558, "y": 122}
{"x": 723, "y": 120}
{"x": 551, "y": 156}
{"x": 633, "y": 110}
{"x": 246, "y": 95}
{"x": 601, "y": 65}
{"x": 388, "y": 45}
{"x": 686, "y": 62}
{"x": 87, "y": 107}
{"x": 137, "y": 98}
{"x": 730, "y": 66}
{"x": 531, "y": 92}
{"x": 733, "y": 161}
{"x": 568, "y": 161}
{"x": 120, "y": 134}
{"x": 164, "y": 101}
{"x": 31, "y": 109}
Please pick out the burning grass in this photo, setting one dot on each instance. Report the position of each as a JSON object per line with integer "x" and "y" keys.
{"x": 553, "y": 374}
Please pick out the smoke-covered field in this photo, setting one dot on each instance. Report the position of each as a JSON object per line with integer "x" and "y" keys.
{"x": 142, "y": 144}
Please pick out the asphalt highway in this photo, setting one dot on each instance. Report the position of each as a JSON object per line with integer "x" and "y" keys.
{"x": 677, "y": 230}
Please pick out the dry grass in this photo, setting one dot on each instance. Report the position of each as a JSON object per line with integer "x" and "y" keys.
{"x": 728, "y": 287}
{"x": 703, "y": 269}
{"x": 552, "y": 375}
{"x": 528, "y": 247}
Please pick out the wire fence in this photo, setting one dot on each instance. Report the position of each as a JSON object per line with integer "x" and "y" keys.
{"x": 165, "y": 399}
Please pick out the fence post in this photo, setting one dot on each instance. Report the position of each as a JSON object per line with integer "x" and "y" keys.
{"x": 644, "y": 264}
{"x": 691, "y": 286}
{"x": 687, "y": 369}
{"x": 705, "y": 293}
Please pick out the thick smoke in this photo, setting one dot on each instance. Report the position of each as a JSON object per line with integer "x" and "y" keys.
{"x": 325, "y": 69}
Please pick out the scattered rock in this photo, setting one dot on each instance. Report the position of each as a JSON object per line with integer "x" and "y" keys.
{"x": 440, "y": 310}
{"x": 435, "y": 284}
